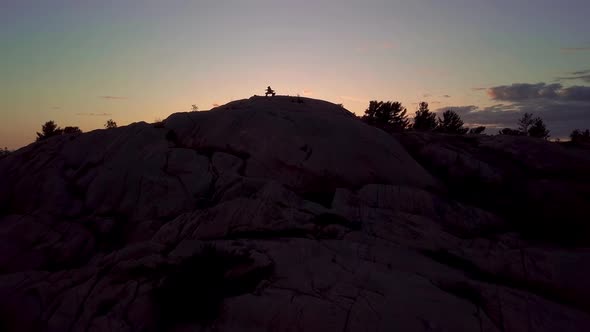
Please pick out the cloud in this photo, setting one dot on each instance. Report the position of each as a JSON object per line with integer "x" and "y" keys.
{"x": 426, "y": 95}
{"x": 520, "y": 92}
{"x": 582, "y": 75}
{"x": 215, "y": 105}
{"x": 478, "y": 89}
{"x": 446, "y": 96}
{"x": 561, "y": 116}
{"x": 94, "y": 114}
{"x": 581, "y": 72}
{"x": 574, "y": 49}
{"x": 112, "y": 97}
{"x": 307, "y": 92}
{"x": 499, "y": 115}
{"x": 55, "y": 108}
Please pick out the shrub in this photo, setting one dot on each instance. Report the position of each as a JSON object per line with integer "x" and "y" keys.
{"x": 110, "y": 124}
{"x": 510, "y": 132}
{"x": 477, "y": 130}
{"x": 71, "y": 130}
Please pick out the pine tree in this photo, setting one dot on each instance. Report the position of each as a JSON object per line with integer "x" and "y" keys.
{"x": 49, "y": 129}
{"x": 538, "y": 129}
{"x": 451, "y": 123}
{"x": 525, "y": 122}
{"x": 424, "y": 120}
{"x": 387, "y": 115}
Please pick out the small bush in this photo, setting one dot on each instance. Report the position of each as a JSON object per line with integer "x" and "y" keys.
{"x": 110, "y": 124}
{"x": 477, "y": 130}
{"x": 71, "y": 130}
{"x": 510, "y": 132}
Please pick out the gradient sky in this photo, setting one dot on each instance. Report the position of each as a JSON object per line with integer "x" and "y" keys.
{"x": 81, "y": 62}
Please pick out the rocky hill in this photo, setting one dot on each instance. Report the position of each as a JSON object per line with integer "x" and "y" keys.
{"x": 287, "y": 214}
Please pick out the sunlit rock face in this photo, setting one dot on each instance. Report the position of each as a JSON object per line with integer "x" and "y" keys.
{"x": 287, "y": 213}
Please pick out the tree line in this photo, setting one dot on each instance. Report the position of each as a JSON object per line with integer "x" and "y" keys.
{"x": 392, "y": 115}
{"x": 51, "y": 129}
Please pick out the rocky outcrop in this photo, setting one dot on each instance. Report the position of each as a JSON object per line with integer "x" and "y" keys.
{"x": 539, "y": 187}
{"x": 269, "y": 214}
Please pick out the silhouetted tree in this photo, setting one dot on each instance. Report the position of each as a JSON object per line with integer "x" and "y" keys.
{"x": 194, "y": 108}
{"x": 49, "y": 129}
{"x": 538, "y": 129}
{"x": 510, "y": 132}
{"x": 71, "y": 130}
{"x": 529, "y": 126}
{"x": 4, "y": 153}
{"x": 110, "y": 124}
{"x": 424, "y": 120}
{"x": 477, "y": 130}
{"x": 525, "y": 122}
{"x": 579, "y": 136}
{"x": 390, "y": 114}
{"x": 451, "y": 123}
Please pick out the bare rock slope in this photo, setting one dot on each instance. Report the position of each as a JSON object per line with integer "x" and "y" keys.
{"x": 271, "y": 214}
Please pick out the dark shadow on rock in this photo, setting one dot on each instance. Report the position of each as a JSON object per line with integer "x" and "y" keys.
{"x": 193, "y": 292}
{"x": 322, "y": 197}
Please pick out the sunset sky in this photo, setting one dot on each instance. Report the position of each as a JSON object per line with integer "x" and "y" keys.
{"x": 81, "y": 63}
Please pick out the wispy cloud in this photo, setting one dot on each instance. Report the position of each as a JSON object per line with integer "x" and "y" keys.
{"x": 215, "y": 105}
{"x": 446, "y": 96}
{"x": 113, "y": 97}
{"x": 94, "y": 114}
{"x": 582, "y": 75}
{"x": 307, "y": 92}
{"x": 426, "y": 95}
{"x": 55, "y": 108}
{"x": 574, "y": 49}
{"x": 519, "y": 92}
{"x": 478, "y": 89}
